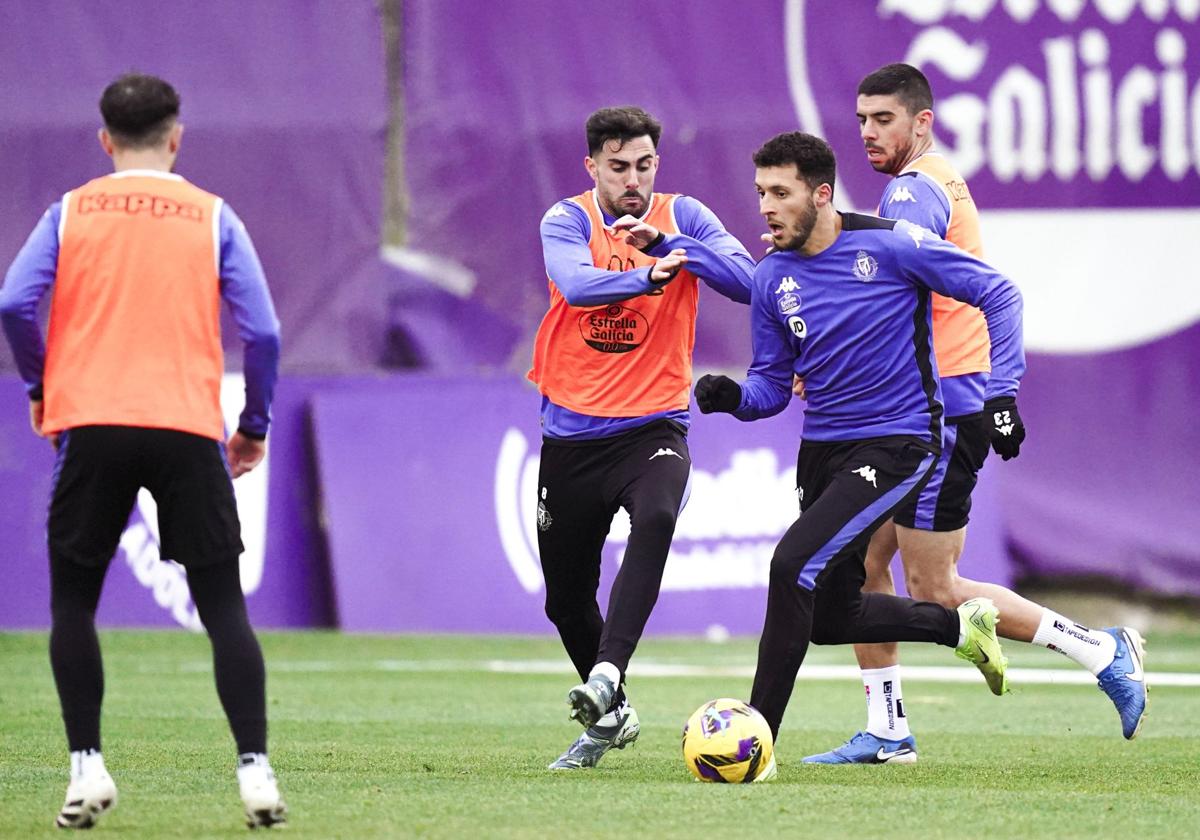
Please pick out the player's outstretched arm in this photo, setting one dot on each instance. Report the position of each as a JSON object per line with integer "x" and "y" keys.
{"x": 767, "y": 388}
{"x": 564, "y": 231}
{"x": 714, "y": 254}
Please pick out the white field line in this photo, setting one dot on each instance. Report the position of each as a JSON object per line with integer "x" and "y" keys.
{"x": 928, "y": 673}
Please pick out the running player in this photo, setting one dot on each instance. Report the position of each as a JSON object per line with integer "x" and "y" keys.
{"x": 844, "y": 304}
{"x": 895, "y": 113}
{"x": 613, "y": 362}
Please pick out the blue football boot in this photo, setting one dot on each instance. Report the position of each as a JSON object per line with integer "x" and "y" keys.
{"x": 1124, "y": 681}
{"x": 865, "y": 748}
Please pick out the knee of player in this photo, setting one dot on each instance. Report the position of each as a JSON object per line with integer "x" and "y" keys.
{"x": 941, "y": 589}
{"x": 786, "y": 568}
{"x": 560, "y": 610}
{"x": 656, "y": 518}
{"x": 823, "y": 634}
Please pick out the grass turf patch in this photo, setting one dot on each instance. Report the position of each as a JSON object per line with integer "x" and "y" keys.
{"x": 412, "y": 736}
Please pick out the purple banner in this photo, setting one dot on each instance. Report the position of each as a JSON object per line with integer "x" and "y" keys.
{"x": 285, "y": 111}
{"x": 1076, "y": 122}
{"x": 428, "y": 528}
{"x": 432, "y": 521}
{"x": 284, "y": 571}
{"x": 1040, "y": 104}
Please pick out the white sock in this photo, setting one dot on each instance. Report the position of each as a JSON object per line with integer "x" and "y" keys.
{"x": 252, "y": 766}
{"x": 86, "y": 764}
{"x": 1093, "y": 649}
{"x": 608, "y": 670}
{"x": 962, "y": 632}
{"x": 885, "y": 704}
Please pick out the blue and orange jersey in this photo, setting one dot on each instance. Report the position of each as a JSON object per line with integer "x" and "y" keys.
{"x": 614, "y": 350}
{"x": 139, "y": 262}
{"x": 930, "y": 192}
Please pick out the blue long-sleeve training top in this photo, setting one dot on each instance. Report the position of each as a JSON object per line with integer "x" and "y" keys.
{"x": 854, "y": 322}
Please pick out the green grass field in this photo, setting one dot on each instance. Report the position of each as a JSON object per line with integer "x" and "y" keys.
{"x": 429, "y": 736}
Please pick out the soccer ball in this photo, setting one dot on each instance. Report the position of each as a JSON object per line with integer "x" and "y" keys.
{"x": 728, "y": 741}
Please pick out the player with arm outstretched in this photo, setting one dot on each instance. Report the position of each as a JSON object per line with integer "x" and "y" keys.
{"x": 613, "y": 362}
{"x": 844, "y": 303}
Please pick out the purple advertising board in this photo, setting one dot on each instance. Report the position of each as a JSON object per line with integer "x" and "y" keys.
{"x": 432, "y": 512}
{"x": 284, "y": 570}
{"x": 408, "y": 503}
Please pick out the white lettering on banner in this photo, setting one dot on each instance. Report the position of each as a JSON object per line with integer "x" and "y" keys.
{"x": 139, "y": 545}
{"x": 1020, "y": 98}
{"x": 724, "y": 538}
{"x": 1075, "y": 107}
{"x": 167, "y": 581}
{"x": 1034, "y": 117}
{"x": 1113, "y": 11}
{"x": 515, "y": 522}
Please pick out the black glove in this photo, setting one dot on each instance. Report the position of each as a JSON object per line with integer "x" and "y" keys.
{"x": 1004, "y": 426}
{"x": 717, "y": 393}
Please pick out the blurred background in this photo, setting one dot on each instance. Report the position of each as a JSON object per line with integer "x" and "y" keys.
{"x": 392, "y": 161}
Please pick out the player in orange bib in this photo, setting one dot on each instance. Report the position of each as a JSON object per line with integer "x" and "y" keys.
{"x": 895, "y": 112}
{"x": 613, "y": 362}
{"x": 127, "y": 386}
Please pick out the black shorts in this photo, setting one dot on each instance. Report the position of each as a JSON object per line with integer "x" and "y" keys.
{"x": 945, "y": 502}
{"x": 583, "y": 483}
{"x": 847, "y": 490}
{"x": 96, "y": 481}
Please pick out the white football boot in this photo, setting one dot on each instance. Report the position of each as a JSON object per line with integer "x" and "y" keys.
{"x": 260, "y": 794}
{"x": 87, "y": 799}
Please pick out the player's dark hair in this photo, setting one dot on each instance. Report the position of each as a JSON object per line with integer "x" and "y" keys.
{"x": 812, "y": 157}
{"x": 903, "y": 81}
{"x": 621, "y": 124}
{"x": 139, "y": 110}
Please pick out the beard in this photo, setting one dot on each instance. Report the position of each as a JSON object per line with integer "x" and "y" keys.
{"x": 616, "y": 209}
{"x": 803, "y": 228}
{"x": 892, "y": 164}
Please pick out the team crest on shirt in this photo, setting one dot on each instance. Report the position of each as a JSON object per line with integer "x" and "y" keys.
{"x": 865, "y": 266}
{"x": 544, "y": 519}
{"x": 789, "y": 303}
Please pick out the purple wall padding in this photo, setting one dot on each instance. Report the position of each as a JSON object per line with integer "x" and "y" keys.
{"x": 1109, "y": 484}
{"x": 429, "y": 493}
{"x": 285, "y": 112}
{"x": 139, "y": 590}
